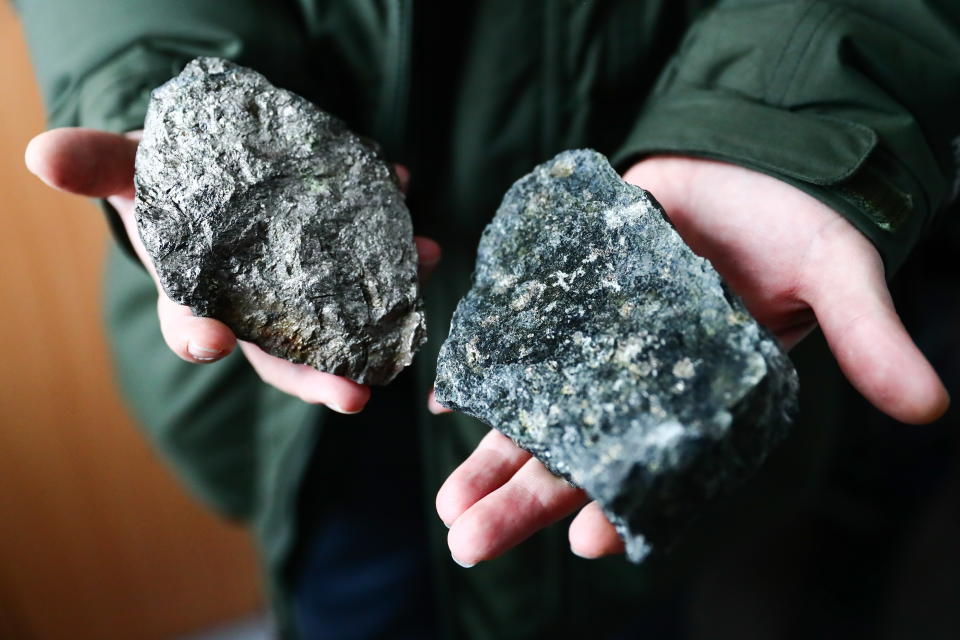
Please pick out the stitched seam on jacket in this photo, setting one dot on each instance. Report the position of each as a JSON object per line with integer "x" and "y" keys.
{"x": 786, "y": 47}
{"x": 831, "y": 13}
{"x": 778, "y": 90}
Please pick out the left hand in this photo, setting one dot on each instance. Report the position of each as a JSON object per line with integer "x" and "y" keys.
{"x": 795, "y": 263}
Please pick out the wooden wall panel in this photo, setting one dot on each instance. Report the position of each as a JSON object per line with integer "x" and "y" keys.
{"x": 96, "y": 539}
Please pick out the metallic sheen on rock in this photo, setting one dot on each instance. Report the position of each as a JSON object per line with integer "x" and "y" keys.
{"x": 597, "y": 340}
{"x": 262, "y": 211}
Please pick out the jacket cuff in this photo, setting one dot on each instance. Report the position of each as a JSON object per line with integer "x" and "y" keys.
{"x": 837, "y": 161}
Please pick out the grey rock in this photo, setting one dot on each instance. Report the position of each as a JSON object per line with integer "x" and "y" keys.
{"x": 598, "y": 341}
{"x": 263, "y": 211}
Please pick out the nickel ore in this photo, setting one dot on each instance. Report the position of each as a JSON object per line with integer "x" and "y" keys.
{"x": 259, "y": 209}
{"x": 598, "y": 341}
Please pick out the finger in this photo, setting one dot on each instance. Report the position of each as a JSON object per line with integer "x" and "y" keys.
{"x": 194, "y": 339}
{"x": 428, "y": 251}
{"x": 495, "y": 460}
{"x": 532, "y": 499}
{"x": 428, "y": 256}
{"x": 403, "y": 177}
{"x": 871, "y": 345}
{"x": 86, "y": 162}
{"x": 308, "y": 384}
{"x": 200, "y": 340}
{"x": 433, "y": 406}
{"x": 655, "y": 175}
{"x": 592, "y": 535}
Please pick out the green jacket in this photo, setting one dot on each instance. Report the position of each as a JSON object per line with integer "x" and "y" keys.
{"x": 856, "y": 102}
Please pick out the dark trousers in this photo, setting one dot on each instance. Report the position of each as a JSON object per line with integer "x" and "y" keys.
{"x": 360, "y": 569}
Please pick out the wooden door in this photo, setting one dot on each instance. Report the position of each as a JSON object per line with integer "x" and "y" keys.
{"x": 96, "y": 539}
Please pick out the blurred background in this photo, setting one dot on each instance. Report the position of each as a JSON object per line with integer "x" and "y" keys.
{"x": 96, "y": 538}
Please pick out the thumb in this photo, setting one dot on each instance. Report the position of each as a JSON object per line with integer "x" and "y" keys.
{"x": 874, "y": 350}
{"x": 85, "y": 162}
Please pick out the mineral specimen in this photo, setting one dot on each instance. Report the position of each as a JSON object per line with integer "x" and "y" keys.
{"x": 262, "y": 211}
{"x": 597, "y": 340}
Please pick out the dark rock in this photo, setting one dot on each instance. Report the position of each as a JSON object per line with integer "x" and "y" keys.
{"x": 262, "y": 211}
{"x": 595, "y": 339}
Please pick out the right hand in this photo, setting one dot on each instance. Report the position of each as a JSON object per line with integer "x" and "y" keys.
{"x": 794, "y": 262}
{"x": 98, "y": 164}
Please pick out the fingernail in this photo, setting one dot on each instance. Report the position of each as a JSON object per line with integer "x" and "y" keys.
{"x": 462, "y": 564}
{"x": 203, "y": 353}
{"x": 339, "y": 409}
{"x": 579, "y": 555}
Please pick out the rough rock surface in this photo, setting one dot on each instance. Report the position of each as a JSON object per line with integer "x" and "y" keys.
{"x": 262, "y": 211}
{"x": 597, "y": 340}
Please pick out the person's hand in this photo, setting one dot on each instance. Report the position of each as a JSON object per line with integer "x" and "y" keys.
{"x": 97, "y": 164}
{"x": 795, "y": 263}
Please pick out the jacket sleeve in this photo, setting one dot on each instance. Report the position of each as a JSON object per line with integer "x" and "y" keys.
{"x": 96, "y": 62}
{"x": 856, "y": 102}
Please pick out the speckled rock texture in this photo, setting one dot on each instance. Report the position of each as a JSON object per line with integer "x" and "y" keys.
{"x": 262, "y": 211}
{"x": 597, "y": 340}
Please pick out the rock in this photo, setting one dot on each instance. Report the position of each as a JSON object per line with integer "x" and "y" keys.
{"x": 262, "y": 211}
{"x": 599, "y": 342}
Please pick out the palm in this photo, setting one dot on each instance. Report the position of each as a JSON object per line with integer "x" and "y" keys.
{"x": 794, "y": 262}
{"x": 100, "y": 165}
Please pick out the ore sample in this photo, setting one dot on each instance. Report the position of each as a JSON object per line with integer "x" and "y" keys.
{"x": 598, "y": 341}
{"x": 262, "y": 211}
